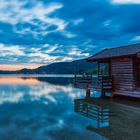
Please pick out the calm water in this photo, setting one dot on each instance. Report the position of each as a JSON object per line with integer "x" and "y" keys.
{"x": 42, "y": 108}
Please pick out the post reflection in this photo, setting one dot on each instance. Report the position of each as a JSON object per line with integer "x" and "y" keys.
{"x": 99, "y": 114}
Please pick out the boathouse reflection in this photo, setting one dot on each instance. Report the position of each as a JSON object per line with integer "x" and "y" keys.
{"x": 113, "y": 119}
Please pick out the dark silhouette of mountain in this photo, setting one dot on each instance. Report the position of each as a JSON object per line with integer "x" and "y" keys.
{"x": 73, "y": 67}
{"x": 25, "y": 71}
{"x": 6, "y": 72}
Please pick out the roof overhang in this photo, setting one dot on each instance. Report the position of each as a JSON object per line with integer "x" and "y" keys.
{"x": 105, "y": 55}
{"x": 106, "y": 59}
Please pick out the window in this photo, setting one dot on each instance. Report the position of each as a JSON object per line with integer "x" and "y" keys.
{"x": 104, "y": 69}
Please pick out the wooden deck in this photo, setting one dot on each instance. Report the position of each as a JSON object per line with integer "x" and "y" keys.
{"x": 130, "y": 93}
{"x": 105, "y": 84}
{"x": 102, "y": 84}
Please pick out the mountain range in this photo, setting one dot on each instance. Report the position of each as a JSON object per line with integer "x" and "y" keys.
{"x": 74, "y": 67}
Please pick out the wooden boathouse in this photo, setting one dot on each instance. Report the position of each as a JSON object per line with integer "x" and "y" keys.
{"x": 123, "y": 70}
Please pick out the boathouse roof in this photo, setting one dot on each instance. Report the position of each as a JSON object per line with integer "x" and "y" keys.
{"x": 129, "y": 50}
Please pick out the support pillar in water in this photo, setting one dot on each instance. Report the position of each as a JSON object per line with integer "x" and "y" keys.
{"x": 103, "y": 93}
{"x": 111, "y": 94}
{"x": 87, "y": 92}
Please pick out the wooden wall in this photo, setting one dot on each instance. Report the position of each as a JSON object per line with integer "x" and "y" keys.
{"x": 122, "y": 71}
{"x": 137, "y": 71}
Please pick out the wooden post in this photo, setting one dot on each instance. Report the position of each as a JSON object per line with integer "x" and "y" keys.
{"x": 103, "y": 93}
{"x": 111, "y": 94}
{"x": 102, "y": 117}
{"x": 112, "y": 90}
{"x": 74, "y": 79}
{"x": 87, "y": 92}
{"x": 102, "y": 88}
{"x": 110, "y": 68}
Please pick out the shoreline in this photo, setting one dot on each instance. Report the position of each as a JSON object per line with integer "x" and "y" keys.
{"x": 37, "y": 75}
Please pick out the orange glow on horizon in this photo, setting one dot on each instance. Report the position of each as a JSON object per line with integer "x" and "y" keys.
{"x": 19, "y": 81}
{"x": 18, "y": 66}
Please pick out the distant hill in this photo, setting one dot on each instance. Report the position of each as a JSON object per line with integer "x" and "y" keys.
{"x": 6, "y": 72}
{"x": 73, "y": 67}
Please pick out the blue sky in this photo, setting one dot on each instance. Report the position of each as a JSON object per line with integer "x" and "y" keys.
{"x": 45, "y": 31}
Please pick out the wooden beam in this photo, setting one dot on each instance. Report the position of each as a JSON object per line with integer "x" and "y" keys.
{"x": 110, "y": 68}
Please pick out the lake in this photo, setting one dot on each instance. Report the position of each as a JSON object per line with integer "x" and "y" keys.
{"x": 44, "y": 108}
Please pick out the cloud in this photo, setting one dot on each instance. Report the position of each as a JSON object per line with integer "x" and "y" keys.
{"x": 41, "y": 58}
{"x": 75, "y": 51}
{"x": 78, "y": 21}
{"x": 39, "y": 54}
{"x": 126, "y": 1}
{"x": 46, "y": 31}
{"x": 11, "y": 50}
{"x": 32, "y": 55}
{"x": 136, "y": 38}
{"x": 18, "y": 13}
{"x": 51, "y": 49}
{"x": 68, "y": 34}
{"x": 38, "y": 15}
{"x": 66, "y": 58}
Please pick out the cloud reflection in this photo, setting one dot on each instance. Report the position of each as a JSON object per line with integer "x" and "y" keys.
{"x": 42, "y": 111}
{"x": 14, "y": 90}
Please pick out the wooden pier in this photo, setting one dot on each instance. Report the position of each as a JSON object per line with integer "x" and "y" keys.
{"x": 103, "y": 83}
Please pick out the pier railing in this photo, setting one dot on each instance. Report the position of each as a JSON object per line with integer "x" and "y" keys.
{"x": 100, "y": 114}
{"x": 101, "y": 82}
{"x": 107, "y": 82}
{"x": 83, "y": 78}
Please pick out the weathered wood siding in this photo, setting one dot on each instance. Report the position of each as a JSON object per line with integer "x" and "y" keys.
{"x": 137, "y": 71}
{"x": 124, "y": 72}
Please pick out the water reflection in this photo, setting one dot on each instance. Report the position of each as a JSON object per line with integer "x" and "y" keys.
{"x": 115, "y": 119}
{"x": 17, "y": 89}
{"x": 35, "y": 80}
{"x": 99, "y": 114}
{"x": 18, "y": 81}
{"x": 41, "y": 109}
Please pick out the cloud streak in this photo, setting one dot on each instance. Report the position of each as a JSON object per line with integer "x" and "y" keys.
{"x": 11, "y": 50}
{"x": 46, "y": 31}
{"x": 38, "y": 15}
{"x": 126, "y": 1}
